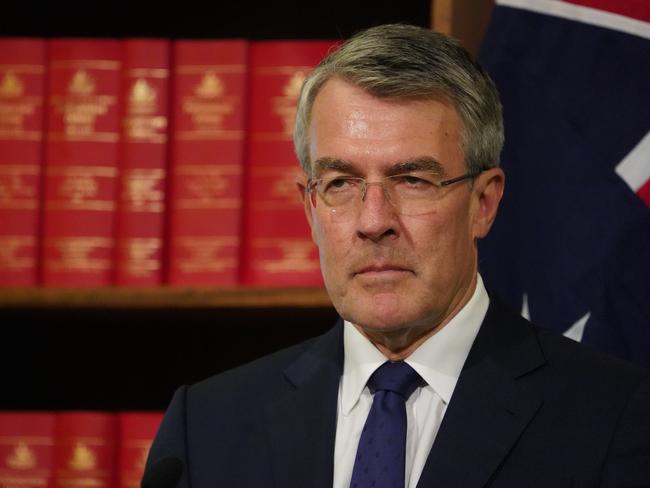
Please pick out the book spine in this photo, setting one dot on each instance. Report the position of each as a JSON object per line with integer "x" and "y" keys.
{"x": 81, "y": 162}
{"x": 206, "y": 162}
{"x": 143, "y": 162}
{"x": 136, "y": 431}
{"x": 278, "y": 250}
{"x": 27, "y": 449}
{"x": 84, "y": 453}
{"x": 22, "y": 83}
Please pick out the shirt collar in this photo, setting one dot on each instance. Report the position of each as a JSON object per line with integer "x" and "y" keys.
{"x": 439, "y": 360}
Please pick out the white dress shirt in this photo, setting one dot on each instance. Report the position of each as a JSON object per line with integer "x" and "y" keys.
{"x": 438, "y": 361}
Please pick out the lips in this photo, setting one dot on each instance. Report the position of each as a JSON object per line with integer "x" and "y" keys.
{"x": 380, "y": 269}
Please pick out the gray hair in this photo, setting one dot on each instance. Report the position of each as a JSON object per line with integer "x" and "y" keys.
{"x": 409, "y": 62}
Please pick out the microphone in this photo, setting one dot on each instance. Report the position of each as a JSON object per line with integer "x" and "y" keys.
{"x": 164, "y": 473}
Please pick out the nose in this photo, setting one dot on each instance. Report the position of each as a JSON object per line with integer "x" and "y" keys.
{"x": 377, "y": 219}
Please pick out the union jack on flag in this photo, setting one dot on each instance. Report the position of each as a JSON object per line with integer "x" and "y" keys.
{"x": 571, "y": 245}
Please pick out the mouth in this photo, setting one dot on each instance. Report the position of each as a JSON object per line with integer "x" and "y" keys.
{"x": 378, "y": 271}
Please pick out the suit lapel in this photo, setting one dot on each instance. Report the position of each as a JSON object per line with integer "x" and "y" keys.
{"x": 302, "y": 424}
{"x": 490, "y": 407}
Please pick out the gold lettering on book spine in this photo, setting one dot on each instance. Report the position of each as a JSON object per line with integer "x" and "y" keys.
{"x": 16, "y": 107}
{"x": 206, "y": 186}
{"x": 279, "y": 184}
{"x": 20, "y": 466}
{"x": 211, "y": 86}
{"x": 83, "y": 466}
{"x": 75, "y": 254}
{"x": 11, "y": 248}
{"x": 296, "y": 255}
{"x": 204, "y": 254}
{"x": 139, "y": 256}
{"x": 22, "y": 457}
{"x": 11, "y": 86}
{"x": 79, "y": 188}
{"x": 284, "y": 188}
{"x": 81, "y": 84}
{"x": 284, "y": 106}
{"x": 142, "y": 190}
{"x": 142, "y": 121}
{"x": 142, "y": 97}
{"x": 18, "y": 185}
{"x": 208, "y": 107}
{"x": 83, "y": 458}
{"x": 81, "y": 107}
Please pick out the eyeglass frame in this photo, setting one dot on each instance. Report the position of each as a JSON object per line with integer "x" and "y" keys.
{"x": 312, "y": 182}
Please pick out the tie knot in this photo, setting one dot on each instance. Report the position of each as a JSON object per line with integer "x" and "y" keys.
{"x": 397, "y": 377}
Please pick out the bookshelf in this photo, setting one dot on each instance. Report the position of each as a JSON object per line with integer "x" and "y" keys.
{"x": 129, "y": 348}
{"x": 164, "y": 297}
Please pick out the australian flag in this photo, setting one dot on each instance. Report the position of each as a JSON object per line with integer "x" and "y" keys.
{"x": 570, "y": 248}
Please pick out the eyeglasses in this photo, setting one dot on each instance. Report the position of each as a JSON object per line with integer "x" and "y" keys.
{"x": 413, "y": 193}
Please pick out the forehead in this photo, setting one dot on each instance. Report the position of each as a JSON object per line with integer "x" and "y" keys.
{"x": 352, "y": 125}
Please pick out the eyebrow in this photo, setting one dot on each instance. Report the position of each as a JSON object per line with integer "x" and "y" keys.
{"x": 423, "y": 163}
{"x": 322, "y": 165}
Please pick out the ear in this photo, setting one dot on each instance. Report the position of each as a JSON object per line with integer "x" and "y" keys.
{"x": 301, "y": 186}
{"x": 488, "y": 189}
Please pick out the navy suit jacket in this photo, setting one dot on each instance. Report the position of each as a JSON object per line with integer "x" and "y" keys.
{"x": 530, "y": 409}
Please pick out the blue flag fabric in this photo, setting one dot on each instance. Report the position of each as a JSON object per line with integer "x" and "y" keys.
{"x": 571, "y": 245}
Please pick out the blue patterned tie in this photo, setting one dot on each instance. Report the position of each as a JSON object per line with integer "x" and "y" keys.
{"x": 382, "y": 447}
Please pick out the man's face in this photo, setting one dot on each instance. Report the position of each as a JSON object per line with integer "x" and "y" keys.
{"x": 385, "y": 271}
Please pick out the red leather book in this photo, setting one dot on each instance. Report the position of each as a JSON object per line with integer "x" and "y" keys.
{"x": 278, "y": 250}
{"x": 26, "y": 449}
{"x": 81, "y": 161}
{"x": 84, "y": 449}
{"x": 206, "y": 161}
{"x": 136, "y": 431}
{"x": 22, "y": 77}
{"x": 143, "y": 159}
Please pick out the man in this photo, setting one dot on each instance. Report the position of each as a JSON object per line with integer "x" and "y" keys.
{"x": 399, "y": 134}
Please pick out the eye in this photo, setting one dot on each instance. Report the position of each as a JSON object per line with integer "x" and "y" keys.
{"x": 338, "y": 184}
{"x": 414, "y": 181}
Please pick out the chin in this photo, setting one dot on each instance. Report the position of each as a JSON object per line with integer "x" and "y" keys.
{"x": 380, "y": 311}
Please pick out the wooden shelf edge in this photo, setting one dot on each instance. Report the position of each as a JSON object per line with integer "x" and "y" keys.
{"x": 164, "y": 297}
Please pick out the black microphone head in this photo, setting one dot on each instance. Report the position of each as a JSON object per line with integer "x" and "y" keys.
{"x": 164, "y": 473}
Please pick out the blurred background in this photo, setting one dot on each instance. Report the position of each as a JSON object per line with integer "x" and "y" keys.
{"x": 570, "y": 249}
{"x": 107, "y": 349}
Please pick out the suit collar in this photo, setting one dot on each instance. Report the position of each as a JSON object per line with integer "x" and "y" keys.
{"x": 302, "y": 424}
{"x": 440, "y": 359}
{"x": 491, "y": 405}
{"x": 490, "y": 408}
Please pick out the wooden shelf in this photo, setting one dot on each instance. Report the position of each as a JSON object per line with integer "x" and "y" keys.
{"x": 164, "y": 297}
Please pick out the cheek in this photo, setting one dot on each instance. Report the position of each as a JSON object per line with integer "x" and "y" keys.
{"x": 326, "y": 232}
{"x": 440, "y": 240}
{"x": 332, "y": 239}
{"x": 333, "y": 251}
